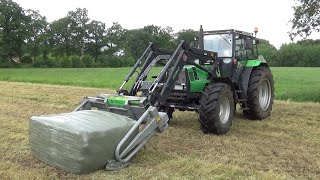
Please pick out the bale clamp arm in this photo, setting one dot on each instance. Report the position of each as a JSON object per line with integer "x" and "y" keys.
{"x": 159, "y": 122}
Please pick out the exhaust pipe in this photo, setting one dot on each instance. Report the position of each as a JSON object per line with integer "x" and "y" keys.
{"x": 201, "y": 41}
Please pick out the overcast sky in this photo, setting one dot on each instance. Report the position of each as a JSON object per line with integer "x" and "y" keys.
{"x": 270, "y": 16}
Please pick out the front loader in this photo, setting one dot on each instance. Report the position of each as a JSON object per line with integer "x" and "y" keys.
{"x": 224, "y": 69}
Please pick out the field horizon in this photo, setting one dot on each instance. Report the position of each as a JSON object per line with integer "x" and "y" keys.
{"x": 299, "y": 84}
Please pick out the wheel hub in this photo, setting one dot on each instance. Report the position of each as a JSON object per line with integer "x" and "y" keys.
{"x": 224, "y": 110}
{"x": 265, "y": 94}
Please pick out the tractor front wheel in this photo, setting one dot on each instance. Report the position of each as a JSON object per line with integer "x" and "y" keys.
{"x": 260, "y": 94}
{"x": 216, "y": 109}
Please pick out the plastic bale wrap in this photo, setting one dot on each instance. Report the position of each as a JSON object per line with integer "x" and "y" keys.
{"x": 77, "y": 142}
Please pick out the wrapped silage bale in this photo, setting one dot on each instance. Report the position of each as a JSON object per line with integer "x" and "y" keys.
{"x": 77, "y": 142}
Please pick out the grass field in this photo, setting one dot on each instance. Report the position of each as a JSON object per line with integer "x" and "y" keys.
{"x": 284, "y": 146}
{"x": 297, "y": 84}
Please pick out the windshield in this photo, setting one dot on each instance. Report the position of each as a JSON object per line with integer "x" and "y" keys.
{"x": 220, "y": 43}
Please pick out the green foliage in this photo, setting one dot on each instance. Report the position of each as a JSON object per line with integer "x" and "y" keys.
{"x": 65, "y": 62}
{"x": 26, "y": 59}
{"x": 87, "y": 60}
{"x": 306, "y": 18}
{"x": 3, "y": 59}
{"x": 137, "y": 40}
{"x": 37, "y": 28}
{"x": 188, "y": 35}
{"x": 76, "y": 61}
{"x": 304, "y": 53}
{"x": 61, "y": 37}
{"x": 51, "y": 62}
{"x": 46, "y": 63}
{"x": 115, "y": 61}
{"x": 10, "y": 65}
{"x": 129, "y": 61}
{"x": 299, "y": 55}
{"x": 2, "y": 53}
{"x": 161, "y": 36}
{"x": 12, "y": 26}
{"x": 96, "y": 32}
{"x": 79, "y": 27}
{"x": 269, "y": 52}
{"x": 39, "y": 63}
{"x": 114, "y": 39}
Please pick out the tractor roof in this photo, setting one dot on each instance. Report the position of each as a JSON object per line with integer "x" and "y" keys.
{"x": 228, "y": 31}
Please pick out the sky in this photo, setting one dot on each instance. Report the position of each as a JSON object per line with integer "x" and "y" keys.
{"x": 270, "y": 16}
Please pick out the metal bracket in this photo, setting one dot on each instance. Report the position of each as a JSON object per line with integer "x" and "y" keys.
{"x": 158, "y": 123}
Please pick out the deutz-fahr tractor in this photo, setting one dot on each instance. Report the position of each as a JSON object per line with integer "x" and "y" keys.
{"x": 210, "y": 77}
{"x": 224, "y": 69}
{"x": 236, "y": 74}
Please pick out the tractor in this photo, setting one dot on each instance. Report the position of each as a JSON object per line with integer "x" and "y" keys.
{"x": 210, "y": 77}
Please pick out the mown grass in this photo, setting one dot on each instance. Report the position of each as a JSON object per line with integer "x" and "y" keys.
{"x": 297, "y": 84}
{"x": 284, "y": 146}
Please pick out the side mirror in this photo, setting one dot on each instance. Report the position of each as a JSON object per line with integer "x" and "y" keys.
{"x": 249, "y": 44}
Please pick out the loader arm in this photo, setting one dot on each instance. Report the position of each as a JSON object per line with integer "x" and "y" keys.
{"x": 151, "y": 52}
{"x": 183, "y": 55}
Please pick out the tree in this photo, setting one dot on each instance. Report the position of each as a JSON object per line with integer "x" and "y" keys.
{"x": 61, "y": 36}
{"x": 307, "y": 42}
{"x": 269, "y": 52}
{"x": 136, "y": 41}
{"x": 12, "y": 26}
{"x": 306, "y": 18}
{"x": 300, "y": 54}
{"x": 161, "y": 36}
{"x": 114, "y": 39}
{"x": 79, "y": 19}
{"x": 36, "y": 32}
{"x": 2, "y": 54}
{"x": 96, "y": 32}
{"x": 187, "y": 35}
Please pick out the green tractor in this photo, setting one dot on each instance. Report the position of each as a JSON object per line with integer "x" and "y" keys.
{"x": 219, "y": 71}
{"x": 238, "y": 74}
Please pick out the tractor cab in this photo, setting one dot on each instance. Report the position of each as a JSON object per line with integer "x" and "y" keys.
{"x": 235, "y": 49}
{"x": 230, "y": 44}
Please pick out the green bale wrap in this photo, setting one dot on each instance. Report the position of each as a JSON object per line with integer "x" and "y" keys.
{"x": 77, "y": 142}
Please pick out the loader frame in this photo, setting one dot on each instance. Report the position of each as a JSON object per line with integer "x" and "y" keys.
{"x": 145, "y": 112}
{"x": 183, "y": 55}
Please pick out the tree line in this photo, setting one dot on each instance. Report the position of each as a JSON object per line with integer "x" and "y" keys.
{"x": 77, "y": 41}
{"x": 304, "y": 53}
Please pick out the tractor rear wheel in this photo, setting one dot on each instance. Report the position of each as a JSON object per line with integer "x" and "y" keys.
{"x": 260, "y": 94}
{"x": 216, "y": 109}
